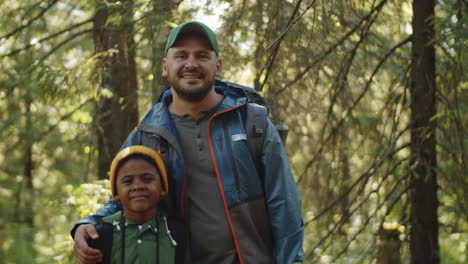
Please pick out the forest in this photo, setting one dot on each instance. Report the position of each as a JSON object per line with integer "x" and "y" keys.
{"x": 374, "y": 92}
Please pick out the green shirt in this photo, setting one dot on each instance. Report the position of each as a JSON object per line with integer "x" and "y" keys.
{"x": 141, "y": 241}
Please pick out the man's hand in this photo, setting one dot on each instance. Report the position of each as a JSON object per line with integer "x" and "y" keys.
{"x": 83, "y": 252}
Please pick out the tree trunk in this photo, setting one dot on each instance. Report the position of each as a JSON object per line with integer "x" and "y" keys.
{"x": 388, "y": 246}
{"x": 424, "y": 244}
{"x": 28, "y": 196}
{"x": 345, "y": 176}
{"x": 162, "y": 12}
{"x": 117, "y": 112}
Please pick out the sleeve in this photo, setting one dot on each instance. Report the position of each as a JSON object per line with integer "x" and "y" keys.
{"x": 112, "y": 206}
{"x": 109, "y": 208}
{"x": 283, "y": 200}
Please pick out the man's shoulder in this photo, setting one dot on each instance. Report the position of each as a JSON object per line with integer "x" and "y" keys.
{"x": 157, "y": 115}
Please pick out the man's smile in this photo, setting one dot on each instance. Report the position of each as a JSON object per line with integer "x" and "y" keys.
{"x": 191, "y": 75}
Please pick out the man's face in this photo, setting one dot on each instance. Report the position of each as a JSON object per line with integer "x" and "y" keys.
{"x": 191, "y": 67}
{"x": 139, "y": 188}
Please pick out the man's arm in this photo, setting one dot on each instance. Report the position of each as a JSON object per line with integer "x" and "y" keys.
{"x": 283, "y": 200}
{"x": 109, "y": 208}
{"x": 85, "y": 230}
{"x": 83, "y": 252}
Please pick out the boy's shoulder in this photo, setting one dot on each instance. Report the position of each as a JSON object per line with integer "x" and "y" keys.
{"x": 116, "y": 217}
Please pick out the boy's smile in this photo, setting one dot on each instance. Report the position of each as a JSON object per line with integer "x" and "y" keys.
{"x": 139, "y": 189}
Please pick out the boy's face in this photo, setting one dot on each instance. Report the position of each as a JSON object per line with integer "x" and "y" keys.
{"x": 139, "y": 188}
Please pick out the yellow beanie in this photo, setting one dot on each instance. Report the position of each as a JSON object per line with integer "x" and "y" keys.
{"x": 143, "y": 151}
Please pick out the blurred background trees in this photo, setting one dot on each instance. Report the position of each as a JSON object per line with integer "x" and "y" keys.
{"x": 375, "y": 94}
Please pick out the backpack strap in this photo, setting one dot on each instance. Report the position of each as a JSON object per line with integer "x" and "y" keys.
{"x": 104, "y": 242}
{"x": 154, "y": 141}
{"x": 255, "y": 119}
{"x": 255, "y": 126}
{"x": 149, "y": 140}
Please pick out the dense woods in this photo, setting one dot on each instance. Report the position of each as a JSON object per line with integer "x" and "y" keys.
{"x": 374, "y": 92}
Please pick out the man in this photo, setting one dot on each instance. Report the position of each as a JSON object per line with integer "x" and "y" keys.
{"x": 234, "y": 213}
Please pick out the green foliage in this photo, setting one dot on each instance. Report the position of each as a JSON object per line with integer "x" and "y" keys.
{"x": 453, "y": 248}
{"x": 88, "y": 197}
{"x": 50, "y": 237}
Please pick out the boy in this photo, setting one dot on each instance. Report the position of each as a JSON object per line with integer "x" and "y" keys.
{"x": 140, "y": 233}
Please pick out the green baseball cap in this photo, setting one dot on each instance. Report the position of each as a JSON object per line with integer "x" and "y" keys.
{"x": 193, "y": 26}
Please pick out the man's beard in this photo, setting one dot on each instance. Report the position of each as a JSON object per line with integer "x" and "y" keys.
{"x": 188, "y": 95}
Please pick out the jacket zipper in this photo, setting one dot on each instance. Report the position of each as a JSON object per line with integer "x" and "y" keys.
{"x": 220, "y": 184}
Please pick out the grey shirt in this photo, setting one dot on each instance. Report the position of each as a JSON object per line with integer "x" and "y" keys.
{"x": 211, "y": 237}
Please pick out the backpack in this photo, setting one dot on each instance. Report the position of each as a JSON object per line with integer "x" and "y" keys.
{"x": 255, "y": 121}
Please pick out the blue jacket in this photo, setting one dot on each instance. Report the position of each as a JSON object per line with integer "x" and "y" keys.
{"x": 263, "y": 211}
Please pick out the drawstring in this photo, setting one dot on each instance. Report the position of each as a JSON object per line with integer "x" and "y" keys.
{"x": 174, "y": 243}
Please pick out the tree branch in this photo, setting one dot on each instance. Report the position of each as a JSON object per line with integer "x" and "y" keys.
{"x": 327, "y": 52}
{"x": 342, "y": 220}
{"x": 19, "y": 29}
{"x": 269, "y": 63}
{"x": 351, "y": 108}
{"x": 291, "y": 23}
{"x": 375, "y": 212}
{"x": 14, "y": 52}
{"x": 343, "y": 73}
{"x": 65, "y": 42}
{"x": 50, "y": 128}
{"x": 373, "y": 168}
